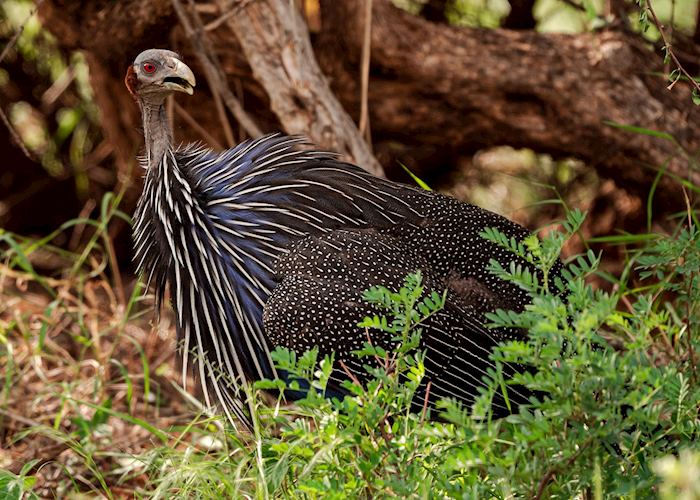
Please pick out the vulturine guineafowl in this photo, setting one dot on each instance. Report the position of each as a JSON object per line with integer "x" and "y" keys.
{"x": 267, "y": 245}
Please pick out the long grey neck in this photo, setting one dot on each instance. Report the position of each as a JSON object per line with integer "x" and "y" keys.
{"x": 156, "y": 131}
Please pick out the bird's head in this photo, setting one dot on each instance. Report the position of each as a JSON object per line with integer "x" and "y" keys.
{"x": 157, "y": 73}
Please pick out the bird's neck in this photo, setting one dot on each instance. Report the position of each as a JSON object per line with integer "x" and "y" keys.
{"x": 156, "y": 130}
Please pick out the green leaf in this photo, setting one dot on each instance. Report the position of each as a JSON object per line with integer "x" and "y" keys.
{"x": 421, "y": 183}
{"x": 695, "y": 96}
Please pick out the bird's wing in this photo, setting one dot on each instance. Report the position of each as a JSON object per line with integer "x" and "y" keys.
{"x": 318, "y": 303}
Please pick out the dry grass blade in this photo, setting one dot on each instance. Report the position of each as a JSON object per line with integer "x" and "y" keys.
{"x": 85, "y": 380}
{"x": 195, "y": 31}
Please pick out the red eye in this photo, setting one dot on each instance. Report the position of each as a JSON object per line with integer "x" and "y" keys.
{"x": 149, "y": 67}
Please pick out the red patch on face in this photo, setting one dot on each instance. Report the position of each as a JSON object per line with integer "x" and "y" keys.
{"x": 131, "y": 81}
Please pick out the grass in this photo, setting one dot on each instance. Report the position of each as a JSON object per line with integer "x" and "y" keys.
{"x": 91, "y": 403}
{"x": 87, "y": 383}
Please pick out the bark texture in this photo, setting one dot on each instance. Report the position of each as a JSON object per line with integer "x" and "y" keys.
{"x": 276, "y": 44}
{"x": 468, "y": 89}
{"x": 435, "y": 90}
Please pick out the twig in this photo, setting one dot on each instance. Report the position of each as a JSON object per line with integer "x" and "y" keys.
{"x": 382, "y": 424}
{"x": 347, "y": 371}
{"x": 219, "y": 105}
{"x": 672, "y": 21}
{"x": 19, "y": 418}
{"x": 225, "y": 17}
{"x": 547, "y": 478}
{"x": 364, "y": 73}
{"x": 219, "y": 21}
{"x": 116, "y": 272}
{"x": 80, "y": 228}
{"x": 669, "y": 51}
{"x": 15, "y": 136}
{"x": 688, "y": 207}
{"x": 214, "y": 73}
{"x": 212, "y": 76}
{"x": 58, "y": 87}
{"x": 182, "y": 112}
{"x": 383, "y": 362}
{"x": 238, "y": 87}
{"x": 207, "y": 8}
{"x": 225, "y": 91}
{"x": 425, "y": 401}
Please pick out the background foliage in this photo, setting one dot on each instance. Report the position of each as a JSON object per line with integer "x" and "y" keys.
{"x": 90, "y": 397}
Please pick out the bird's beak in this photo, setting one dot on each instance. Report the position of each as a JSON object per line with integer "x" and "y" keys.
{"x": 180, "y": 78}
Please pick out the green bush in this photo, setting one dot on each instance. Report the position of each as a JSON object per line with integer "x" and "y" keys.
{"x": 615, "y": 411}
{"x": 602, "y": 422}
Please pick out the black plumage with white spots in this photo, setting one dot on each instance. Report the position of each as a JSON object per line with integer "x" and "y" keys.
{"x": 261, "y": 249}
{"x": 267, "y": 245}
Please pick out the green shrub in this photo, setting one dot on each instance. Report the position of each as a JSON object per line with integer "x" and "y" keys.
{"x": 605, "y": 421}
{"x": 600, "y": 420}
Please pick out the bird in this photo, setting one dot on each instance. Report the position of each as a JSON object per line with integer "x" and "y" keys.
{"x": 272, "y": 243}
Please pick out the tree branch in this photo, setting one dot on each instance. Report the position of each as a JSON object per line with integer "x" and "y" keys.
{"x": 668, "y": 48}
{"x": 215, "y": 75}
{"x": 276, "y": 43}
{"x": 437, "y": 90}
{"x": 467, "y": 89}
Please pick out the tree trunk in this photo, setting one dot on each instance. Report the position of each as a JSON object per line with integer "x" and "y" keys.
{"x": 468, "y": 89}
{"x": 445, "y": 90}
{"x": 276, "y": 43}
